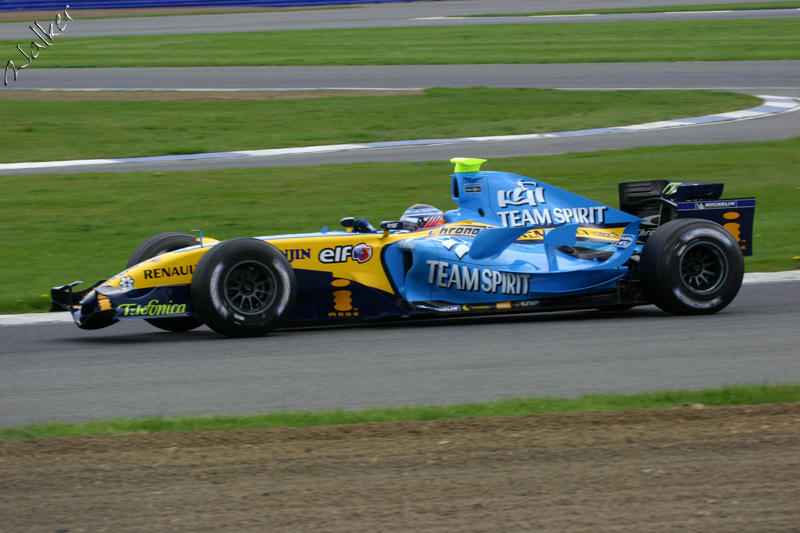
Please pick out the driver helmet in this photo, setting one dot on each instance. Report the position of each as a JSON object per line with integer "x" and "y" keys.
{"x": 424, "y": 215}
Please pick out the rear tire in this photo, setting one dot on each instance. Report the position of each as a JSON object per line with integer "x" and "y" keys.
{"x": 157, "y": 245}
{"x": 691, "y": 267}
{"x": 243, "y": 288}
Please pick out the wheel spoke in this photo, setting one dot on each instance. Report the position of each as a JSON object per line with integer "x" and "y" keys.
{"x": 703, "y": 268}
{"x": 250, "y": 287}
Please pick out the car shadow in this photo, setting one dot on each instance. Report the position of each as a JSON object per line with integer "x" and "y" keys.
{"x": 205, "y": 334}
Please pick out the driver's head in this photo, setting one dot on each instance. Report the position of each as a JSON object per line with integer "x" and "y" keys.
{"x": 424, "y": 215}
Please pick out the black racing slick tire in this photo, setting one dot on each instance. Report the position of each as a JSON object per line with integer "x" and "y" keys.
{"x": 161, "y": 244}
{"x": 157, "y": 245}
{"x": 243, "y": 288}
{"x": 691, "y": 267}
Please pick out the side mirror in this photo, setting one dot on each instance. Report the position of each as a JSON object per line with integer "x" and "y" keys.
{"x": 404, "y": 225}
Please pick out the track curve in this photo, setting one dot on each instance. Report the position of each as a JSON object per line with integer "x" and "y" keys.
{"x": 781, "y": 78}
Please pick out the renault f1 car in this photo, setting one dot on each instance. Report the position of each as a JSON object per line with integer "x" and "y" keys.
{"x": 513, "y": 244}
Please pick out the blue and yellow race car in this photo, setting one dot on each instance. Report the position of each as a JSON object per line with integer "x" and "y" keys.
{"x": 513, "y": 244}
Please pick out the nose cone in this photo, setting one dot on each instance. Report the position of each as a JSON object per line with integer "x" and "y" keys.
{"x": 95, "y": 312}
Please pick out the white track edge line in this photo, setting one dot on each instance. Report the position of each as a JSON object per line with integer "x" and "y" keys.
{"x": 748, "y": 114}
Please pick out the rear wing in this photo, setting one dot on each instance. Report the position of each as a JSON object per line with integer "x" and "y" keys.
{"x": 659, "y": 201}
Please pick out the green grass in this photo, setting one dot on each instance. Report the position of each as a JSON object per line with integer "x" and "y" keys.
{"x": 739, "y": 395}
{"x": 748, "y": 6}
{"x": 35, "y": 130}
{"x": 689, "y": 40}
{"x": 60, "y": 228}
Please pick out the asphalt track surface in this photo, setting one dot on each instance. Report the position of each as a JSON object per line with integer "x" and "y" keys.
{"x": 436, "y": 13}
{"x": 778, "y": 78}
{"x": 57, "y": 372}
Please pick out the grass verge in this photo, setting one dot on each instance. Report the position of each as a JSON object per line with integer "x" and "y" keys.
{"x": 687, "y": 40}
{"x": 60, "y": 228}
{"x": 35, "y": 130}
{"x": 748, "y": 6}
{"x": 739, "y": 395}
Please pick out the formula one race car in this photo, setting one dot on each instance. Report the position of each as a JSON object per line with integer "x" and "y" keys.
{"x": 513, "y": 244}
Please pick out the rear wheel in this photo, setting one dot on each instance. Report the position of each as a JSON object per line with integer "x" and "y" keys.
{"x": 243, "y": 288}
{"x": 691, "y": 267}
{"x": 157, "y": 245}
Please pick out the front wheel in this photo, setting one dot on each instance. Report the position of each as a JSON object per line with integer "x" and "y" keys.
{"x": 691, "y": 267}
{"x": 157, "y": 245}
{"x": 243, "y": 288}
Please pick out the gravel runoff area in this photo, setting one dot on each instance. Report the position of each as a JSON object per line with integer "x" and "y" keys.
{"x": 196, "y": 96}
{"x": 692, "y": 468}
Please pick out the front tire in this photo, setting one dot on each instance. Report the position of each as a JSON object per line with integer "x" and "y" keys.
{"x": 157, "y": 245}
{"x": 691, "y": 267}
{"x": 243, "y": 288}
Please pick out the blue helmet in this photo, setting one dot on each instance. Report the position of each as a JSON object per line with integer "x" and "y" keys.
{"x": 424, "y": 215}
